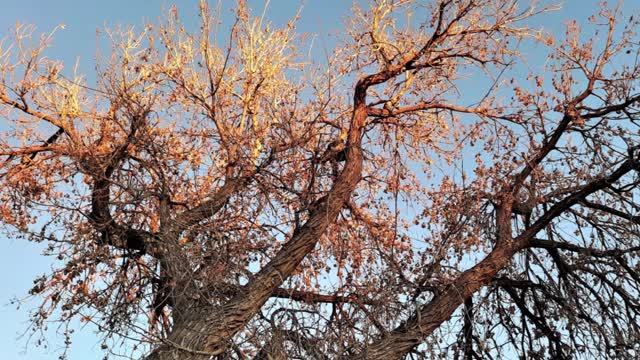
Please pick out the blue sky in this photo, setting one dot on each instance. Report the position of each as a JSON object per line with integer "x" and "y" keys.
{"x": 20, "y": 262}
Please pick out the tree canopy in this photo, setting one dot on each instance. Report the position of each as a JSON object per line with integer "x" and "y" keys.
{"x": 222, "y": 194}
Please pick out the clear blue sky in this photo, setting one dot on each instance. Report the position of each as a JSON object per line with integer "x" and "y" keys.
{"x": 20, "y": 262}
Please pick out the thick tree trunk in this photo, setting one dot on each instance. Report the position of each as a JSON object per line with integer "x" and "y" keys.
{"x": 205, "y": 334}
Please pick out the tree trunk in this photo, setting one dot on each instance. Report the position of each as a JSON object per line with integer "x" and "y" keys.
{"x": 206, "y": 334}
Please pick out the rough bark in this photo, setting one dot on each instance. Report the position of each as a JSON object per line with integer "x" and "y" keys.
{"x": 429, "y": 317}
{"x": 208, "y": 332}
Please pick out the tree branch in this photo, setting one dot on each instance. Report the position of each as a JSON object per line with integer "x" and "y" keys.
{"x": 410, "y": 333}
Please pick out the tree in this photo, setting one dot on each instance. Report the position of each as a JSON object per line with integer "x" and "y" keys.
{"x": 232, "y": 199}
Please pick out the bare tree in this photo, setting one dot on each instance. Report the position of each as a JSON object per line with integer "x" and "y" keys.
{"x": 233, "y": 199}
